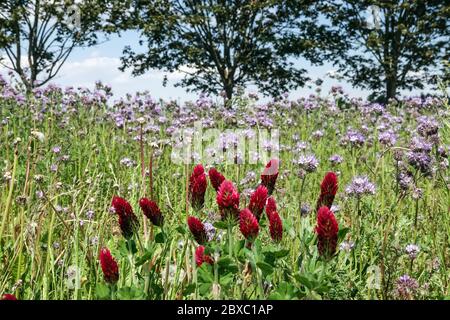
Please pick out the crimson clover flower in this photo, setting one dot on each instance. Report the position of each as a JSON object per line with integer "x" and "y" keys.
{"x": 327, "y": 232}
{"x": 258, "y": 201}
{"x": 328, "y": 190}
{"x": 128, "y": 222}
{"x": 228, "y": 200}
{"x": 201, "y": 257}
{"x": 109, "y": 266}
{"x": 275, "y": 226}
{"x": 151, "y": 211}
{"x": 197, "y": 187}
{"x": 216, "y": 178}
{"x": 270, "y": 175}
{"x": 248, "y": 224}
{"x": 197, "y": 229}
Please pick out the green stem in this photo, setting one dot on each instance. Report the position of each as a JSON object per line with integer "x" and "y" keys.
{"x": 10, "y": 194}
{"x": 259, "y": 278}
{"x": 130, "y": 258}
{"x": 230, "y": 238}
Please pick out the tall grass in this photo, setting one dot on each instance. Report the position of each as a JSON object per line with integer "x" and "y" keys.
{"x": 49, "y": 242}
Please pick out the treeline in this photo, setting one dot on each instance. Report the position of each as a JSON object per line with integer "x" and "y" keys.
{"x": 383, "y": 46}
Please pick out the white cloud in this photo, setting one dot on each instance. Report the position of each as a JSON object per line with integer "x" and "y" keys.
{"x": 87, "y": 71}
{"x": 94, "y": 67}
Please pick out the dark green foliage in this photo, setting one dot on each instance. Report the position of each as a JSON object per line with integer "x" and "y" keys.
{"x": 221, "y": 45}
{"x": 38, "y": 36}
{"x": 387, "y": 46}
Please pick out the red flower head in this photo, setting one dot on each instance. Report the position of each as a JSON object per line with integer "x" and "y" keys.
{"x": 197, "y": 229}
{"x": 201, "y": 257}
{"x": 109, "y": 266}
{"x": 271, "y": 206}
{"x": 197, "y": 187}
{"x": 327, "y": 231}
{"x": 248, "y": 225}
{"x": 216, "y": 178}
{"x": 151, "y": 211}
{"x": 258, "y": 201}
{"x": 328, "y": 190}
{"x": 8, "y": 296}
{"x": 127, "y": 220}
{"x": 228, "y": 200}
{"x": 275, "y": 226}
{"x": 270, "y": 175}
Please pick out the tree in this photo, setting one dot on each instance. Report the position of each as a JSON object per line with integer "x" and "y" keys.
{"x": 224, "y": 44}
{"x": 37, "y": 36}
{"x": 390, "y": 45}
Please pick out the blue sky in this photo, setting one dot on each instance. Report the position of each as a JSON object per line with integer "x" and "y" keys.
{"x": 87, "y": 65}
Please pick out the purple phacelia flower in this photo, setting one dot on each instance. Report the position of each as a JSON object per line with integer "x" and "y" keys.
{"x": 335, "y": 159}
{"x": 406, "y": 287}
{"x": 419, "y": 144}
{"x": 317, "y": 134}
{"x": 210, "y": 230}
{"x": 360, "y": 186}
{"x": 427, "y": 126}
{"x": 405, "y": 180}
{"x": 308, "y": 162}
{"x": 354, "y": 138}
{"x": 127, "y": 162}
{"x": 347, "y": 246}
{"x": 421, "y": 161}
{"x": 90, "y": 214}
{"x": 305, "y": 209}
{"x": 412, "y": 251}
{"x": 387, "y": 138}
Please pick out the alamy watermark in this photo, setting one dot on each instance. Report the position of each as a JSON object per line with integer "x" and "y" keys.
{"x": 230, "y": 146}
{"x": 68, "y": 12}
{"x": 373, "y": 17}
{"x": 373, "y": 277}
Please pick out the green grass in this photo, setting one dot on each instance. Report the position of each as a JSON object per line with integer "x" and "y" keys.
{"x": 40, "y": 243}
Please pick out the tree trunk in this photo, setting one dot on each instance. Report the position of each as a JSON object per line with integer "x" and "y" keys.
{"x": 391, "y": 87}
{"x": 228, "y": 88}
{"x": 390, "y": 55}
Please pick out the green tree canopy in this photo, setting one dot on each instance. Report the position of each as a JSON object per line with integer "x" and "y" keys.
{"x": 37, "y": 36}
{"x": 390, "y": 45}
{"x": 224, "y": 44}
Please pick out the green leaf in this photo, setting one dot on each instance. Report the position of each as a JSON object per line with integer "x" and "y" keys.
{"x": 189, "y": 289}
{"x": 102, "y": 291}
{"x": 224, "y": 262}
{"x": 181, "y": 230}
{"x": 205, "y": 288}
{"x": 130, "y": 293}
{"x": 124, "y": 247}
{"x": 239, "y": 245}
{"x": 226, "y": 280}
{"x": 300, "y": 261}
{"x": 160, "y": 238}
{"x": 284, "y": 291}
{"x": 124, "y": 293}
{"x": 266, "y": 268}
{"x": 227, "y": 265}
{"x": 144, "y": 258}
{"x": 205, "y": 273}
{"x": 221, "y": 225}
{"x": 280, "y": 253}
{"x": 304, "y": 280}
{"x": 342, "y": 233}
{"x": 210, "y": 248}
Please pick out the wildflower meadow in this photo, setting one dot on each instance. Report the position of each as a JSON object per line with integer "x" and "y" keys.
{"x": 322, "y": 197}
